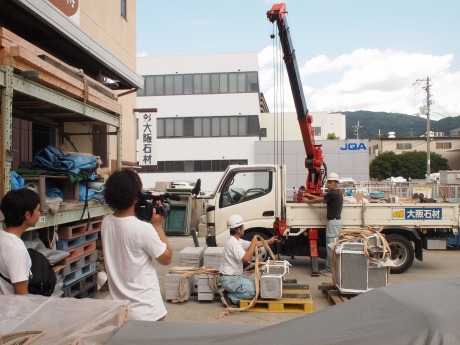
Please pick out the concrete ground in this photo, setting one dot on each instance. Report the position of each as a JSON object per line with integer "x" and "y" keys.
{"x": 436, "y": 265}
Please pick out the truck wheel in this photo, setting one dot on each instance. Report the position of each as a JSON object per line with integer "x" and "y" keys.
{"x": 402, "y": 253}
{"x": 263, "y": 254}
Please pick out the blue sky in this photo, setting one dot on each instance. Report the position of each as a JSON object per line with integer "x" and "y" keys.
{"x": 352, "y": 54}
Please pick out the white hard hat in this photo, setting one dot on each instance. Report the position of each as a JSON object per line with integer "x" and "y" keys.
{"x": 234, "y": 221}
{"x": 333, "y": 177}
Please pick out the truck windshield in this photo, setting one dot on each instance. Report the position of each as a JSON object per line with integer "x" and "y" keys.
{"x": 245, "y": 185}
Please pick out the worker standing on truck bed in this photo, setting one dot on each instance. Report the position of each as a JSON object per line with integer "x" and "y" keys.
{"x": 334, "y": 200}
{"x": 236, "y": 285}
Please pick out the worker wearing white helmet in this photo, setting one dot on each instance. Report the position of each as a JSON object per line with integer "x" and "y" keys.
{"x": 334, "y": 200}
{"x": 236, "y": 285}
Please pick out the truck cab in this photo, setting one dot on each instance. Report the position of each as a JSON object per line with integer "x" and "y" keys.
{"x": 250, "y": 191}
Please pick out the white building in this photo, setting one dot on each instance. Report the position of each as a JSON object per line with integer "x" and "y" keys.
{"x": 207, "y": 115}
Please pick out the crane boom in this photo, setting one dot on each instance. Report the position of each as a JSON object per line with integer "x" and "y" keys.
{"x": 314, "y": 160}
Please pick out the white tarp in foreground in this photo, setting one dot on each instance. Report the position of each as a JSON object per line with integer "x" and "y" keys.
{"x": 417, "y": 312}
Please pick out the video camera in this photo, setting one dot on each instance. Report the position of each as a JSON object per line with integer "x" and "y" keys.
{"x": 147, "y": 202}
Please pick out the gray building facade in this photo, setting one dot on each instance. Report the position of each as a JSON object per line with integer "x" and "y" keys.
{"x": 348, "y": 158}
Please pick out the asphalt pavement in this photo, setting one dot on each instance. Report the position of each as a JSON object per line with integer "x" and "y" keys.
{"x": 436, "y": 265}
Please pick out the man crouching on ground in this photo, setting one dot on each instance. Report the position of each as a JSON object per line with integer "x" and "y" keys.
{"x": 237, "y": 286}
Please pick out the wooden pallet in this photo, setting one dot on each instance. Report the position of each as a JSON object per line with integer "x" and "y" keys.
{"x": 333, "y": 295}
{"x": 295, "y": 300}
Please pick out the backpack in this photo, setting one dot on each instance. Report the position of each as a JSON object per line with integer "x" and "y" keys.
{"x": 43, "y": 279}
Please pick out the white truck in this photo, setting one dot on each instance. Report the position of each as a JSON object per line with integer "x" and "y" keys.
{"x": 257, "y": 193}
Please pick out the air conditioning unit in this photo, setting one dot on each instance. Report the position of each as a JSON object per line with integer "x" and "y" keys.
{"x": 271, "y": 281}
{"x": 354, "y": 272}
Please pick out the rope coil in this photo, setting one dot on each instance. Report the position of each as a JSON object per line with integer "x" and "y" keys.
{"x": 257, "y": 270}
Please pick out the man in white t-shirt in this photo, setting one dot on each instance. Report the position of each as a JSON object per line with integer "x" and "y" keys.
{"x": 237, "y": 286}
{"x": 131, "y": 248}
{"x": 21, "y": 210}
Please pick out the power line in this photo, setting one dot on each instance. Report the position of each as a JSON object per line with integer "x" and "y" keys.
{"x": 450, "y": 70}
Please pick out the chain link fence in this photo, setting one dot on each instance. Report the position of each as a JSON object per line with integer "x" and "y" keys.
{"x": 409, "y": 189}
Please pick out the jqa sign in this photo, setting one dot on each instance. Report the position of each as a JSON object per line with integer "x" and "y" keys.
{"x": 146, "y": 143}
{"x": 354, "y": 147}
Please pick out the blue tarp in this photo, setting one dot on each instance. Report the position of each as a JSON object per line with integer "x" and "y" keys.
{"x": 55, "y": 159}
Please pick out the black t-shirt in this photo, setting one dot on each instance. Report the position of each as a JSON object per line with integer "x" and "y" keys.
{"x": 334, "y": 200}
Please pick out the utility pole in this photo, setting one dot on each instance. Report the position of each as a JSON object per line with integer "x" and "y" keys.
{"x": 428, "y": 125}
{"x": 428, "y": 129}
{"x": 356, "y": 128}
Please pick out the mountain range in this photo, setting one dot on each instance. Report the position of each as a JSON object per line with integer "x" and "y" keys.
{"x": 378, "y": 124}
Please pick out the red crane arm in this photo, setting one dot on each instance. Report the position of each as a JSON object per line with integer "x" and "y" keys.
{"x": 314, "y": 160}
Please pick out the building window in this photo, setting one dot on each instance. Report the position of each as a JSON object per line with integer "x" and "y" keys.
{"x": 375, "y": 149}
{"x": 198, "y": 166}
{"x": 224, "y": 126}
{"x": 206, "y": 127}
{"x": 403, "y": 146}
{"x": 178, "y": 127}
{"x": 179, "y": 166}
{"x": 160, "y": 128}
{"x": 169, "y": 128}
{"x": 178, "y": 84}
{"x": 202, "y": 83}
{"x": 188, "y": 166}
{"x": 233, "y": 125}
{"x": 233, "y": 83}
{"x": 206, "y": 165}
{"x": 123, "y": 8}
{"x": 197, "y": 84}
{"x": 192, "y": 166}
{"x": 223, "y": 85}
{"x": 197, "y": 127}
{"x": 215, "y": 83}
{"x": 188, "y": 127}
{"x": 253, "y": 83}
{"x": 241, "y": 82}
{"x": 317, "y": 131}
{"x": 169, "y": 85}
{"x": 205, "y": 83}
{"x": 188, "y": 84}
{"x": 169, "y": 166}
{"x": 159, "y": 86}
{"x": 149, "y": 88}
{"x": 445, "y": 146}
{"x": 242, "y": 126}
{"x": 215, "y": 126}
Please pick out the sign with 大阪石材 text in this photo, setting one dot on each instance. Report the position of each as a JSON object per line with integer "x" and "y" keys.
{"x": 417, "y": 213}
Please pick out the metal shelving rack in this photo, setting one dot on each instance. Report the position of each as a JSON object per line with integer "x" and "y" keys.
{"x": 10, "y": 83}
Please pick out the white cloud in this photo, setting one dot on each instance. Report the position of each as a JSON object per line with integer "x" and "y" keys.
{"x": 368, "y": 79}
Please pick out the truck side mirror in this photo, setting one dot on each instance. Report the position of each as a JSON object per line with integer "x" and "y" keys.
{"x": 197, "y": 189}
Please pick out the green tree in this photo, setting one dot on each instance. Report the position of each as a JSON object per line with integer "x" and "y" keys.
{"x": 384, "y": 166}
{"x": 438, "y": 162}
{"x": 412, "y": 164}
{"x": 332, "y": 136}
{"x": 408, "y": 164}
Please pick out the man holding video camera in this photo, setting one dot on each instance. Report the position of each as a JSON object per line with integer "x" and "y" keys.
{"x": 131, "y": 246}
